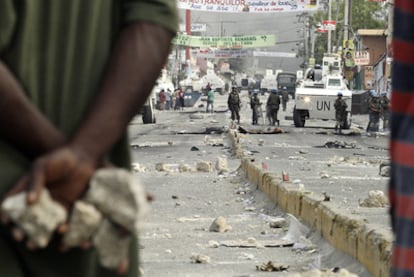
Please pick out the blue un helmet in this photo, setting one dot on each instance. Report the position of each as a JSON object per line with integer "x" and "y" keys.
{"x": 273, "y": 90}
{"x": 373, "y": 93}
{"x": 255, "y": 91}
{"x": 340, "y": 93}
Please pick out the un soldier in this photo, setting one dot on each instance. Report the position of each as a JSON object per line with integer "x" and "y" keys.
{"x": 233, "y": 102}
{"x": 272, "y": 106}
{"x": 374, "y": 107}
{"x": 340, "y": 112}
{"x": 255, "y": 106}
{"x": 285, "y": 99}
{"x": 385, "y": 111}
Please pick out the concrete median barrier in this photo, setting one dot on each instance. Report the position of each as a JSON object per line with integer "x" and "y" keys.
{"x": 368, "y": 244}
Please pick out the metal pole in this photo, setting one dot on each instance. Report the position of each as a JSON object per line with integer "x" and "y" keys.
{"x": 329, "y": 31}
{"x": 346, "y": 20}
{"x": 188, "y": 31}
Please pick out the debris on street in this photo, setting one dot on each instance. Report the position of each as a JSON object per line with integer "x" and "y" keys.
{"x": 339, "y": 145}
{"x": 219, "y": 225}
{"x": 200, "y": 259}
{"x": 269, "y": 130}
{"x": 375, "y": 199}
{"x": 271, "y": 267}
{"x": 253, "y": 243}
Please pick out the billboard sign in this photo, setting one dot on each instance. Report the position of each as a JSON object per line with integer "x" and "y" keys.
{"x": 236, "y": 42}
{"x": 252, "y": 6}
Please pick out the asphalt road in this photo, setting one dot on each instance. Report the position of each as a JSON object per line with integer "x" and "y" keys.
{"x": 187, "y": 203}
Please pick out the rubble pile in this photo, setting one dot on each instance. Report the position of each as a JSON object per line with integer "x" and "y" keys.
{"x": 375, "y": 199}
{"x": 109, "y": 215}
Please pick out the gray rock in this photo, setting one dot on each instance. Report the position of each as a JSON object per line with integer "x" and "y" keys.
{"x": 200, "y": 259}
{"x": 38, "y": 221}
{"x": 119, "y": 196}
{"x": 222, "y": 165}
{"x": 204, "y": 166}
{"x": 112, "y": 247}
{"x": 278, "y": 223}
{"x": 219, "y": 225}
{"x": 83, "y": 223}
{"x": 376, "y": 198}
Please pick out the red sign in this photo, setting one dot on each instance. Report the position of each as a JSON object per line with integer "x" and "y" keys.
{"x": 327, "y": 25}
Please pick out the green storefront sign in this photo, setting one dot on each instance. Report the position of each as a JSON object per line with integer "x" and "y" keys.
{"x": 238, "y": 42}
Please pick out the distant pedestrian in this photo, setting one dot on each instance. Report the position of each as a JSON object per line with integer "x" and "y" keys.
{"x": 181, "y": 98}
{"x": 210, "y": 101}
{"x": 272, "y": 107}
{"x": 233, "y": 102}
{"x": 340, "y": 113}
{"x": 162, "y": 99}
{"x": 174, "y": 99}
{"x": 255, "y": 106}
{"x": 168, "y": 99}
{"x": 374, "y": 110}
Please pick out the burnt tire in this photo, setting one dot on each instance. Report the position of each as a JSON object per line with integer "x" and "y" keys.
{"x": 298, "y": 118}
{"x": 148, "y": 116}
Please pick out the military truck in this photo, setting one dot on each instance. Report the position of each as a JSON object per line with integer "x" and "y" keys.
{"x": 315, "y": 100}
{"x": 286, "y": 81}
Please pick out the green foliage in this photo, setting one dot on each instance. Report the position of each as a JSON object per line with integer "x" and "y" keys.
{"x": 364, "y": 15}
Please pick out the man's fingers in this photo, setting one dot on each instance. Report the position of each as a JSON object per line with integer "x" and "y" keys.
{"x": 31, "y": 245}
{"x": 17, "y": 234}
{"x": 123, "y": 267}
{"x": 63, "y": 228}
{"x": 36, "y": 183}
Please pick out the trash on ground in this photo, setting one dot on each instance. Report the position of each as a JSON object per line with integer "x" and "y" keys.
{"x": 271, "y": 267}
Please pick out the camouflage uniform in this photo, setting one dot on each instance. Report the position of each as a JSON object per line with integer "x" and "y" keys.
{"x": 272, "y": 107}
{"x": 233, "y": 102}
{"x": 340, "y": 112}
{"x": 374, "y": 106}
{"x": 255, "y": 105}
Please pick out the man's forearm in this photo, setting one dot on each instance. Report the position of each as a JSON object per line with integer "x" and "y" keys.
{"x": 21, "y": 124}
{"x": 134, "y": 66}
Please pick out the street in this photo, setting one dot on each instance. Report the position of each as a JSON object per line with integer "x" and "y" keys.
{"x": 176, "y": 159}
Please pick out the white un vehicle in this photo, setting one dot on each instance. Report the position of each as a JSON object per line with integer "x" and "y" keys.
{"x": 316, "y": 99}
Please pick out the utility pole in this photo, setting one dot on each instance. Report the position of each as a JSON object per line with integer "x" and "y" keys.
{"x": 346, "y": 20}
{"x": 329, "y": 31}
{"x": 188, "y": 31}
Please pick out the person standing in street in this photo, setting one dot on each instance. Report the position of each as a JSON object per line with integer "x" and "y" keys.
{"x": 181, "y": 99}
{"x": 71, "y": 79}
{"x": 272, "y": 106}
{"x": 285, "y": 99}
{"x": 210, "y": 101}
{"x": 374, "y": 111}
{"x": 163, "y": 99}
{"x": 340, "y": 113}
{"x": 255, "y": 105}
{"x": 385, "y": 111}
{"x": 174, "y": 99}
{"x": 233, "y": 102}
{"x": 168, "y": 99}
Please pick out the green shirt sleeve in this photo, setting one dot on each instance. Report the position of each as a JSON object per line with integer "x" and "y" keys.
{"x": 7, "y": 23}
{"x": 160, "y": 12}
